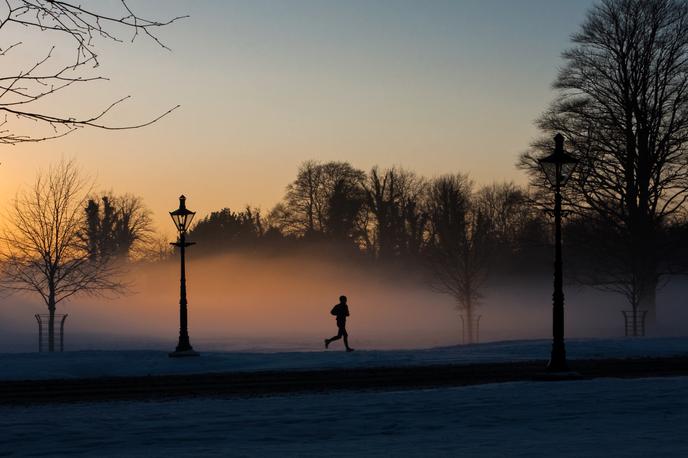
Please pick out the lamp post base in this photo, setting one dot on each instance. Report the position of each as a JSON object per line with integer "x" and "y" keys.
{"x": 557, "y": 366}
{"x": 557, "y": 360}
{"x": 560, "y": 376}
{"x": 183, "y": 353}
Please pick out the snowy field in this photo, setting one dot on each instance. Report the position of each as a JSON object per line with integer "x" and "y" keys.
{"x": 26, "y": 366}
{"x": 604, "y": 417}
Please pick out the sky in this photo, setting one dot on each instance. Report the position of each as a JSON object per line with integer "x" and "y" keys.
{"x": 434, "y": 86}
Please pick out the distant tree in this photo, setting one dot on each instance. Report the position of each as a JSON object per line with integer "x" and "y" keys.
{"x": 504, "y": 205}
{"x": 302, "y": 210}
{"x": 66, "y": 29}
{"x": 306, "y": 208}
{"x": 384, "y": 203}
{"x": 394, "y": 198}
{"x": 344, "y": 207}
{"x": 622, "y": 105}
{"x": 43, "y": 248}
{"x": 117, "y": 226}
{"x": 518, "y": 229}
{"x": 416, "y": 218}
{"x": 459, "y": 244}
{"x": 133, "y": 228}
{"x": 158, "y": 249}
{"x": 226, "y": 230}
{"x": 91, "y": 231}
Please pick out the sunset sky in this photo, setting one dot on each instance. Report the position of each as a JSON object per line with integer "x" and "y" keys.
{"x": 437, "y": 87}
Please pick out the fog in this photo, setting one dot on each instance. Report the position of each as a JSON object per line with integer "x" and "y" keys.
{"x": 283, "y": 303}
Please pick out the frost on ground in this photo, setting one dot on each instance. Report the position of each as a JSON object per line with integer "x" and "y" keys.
{"x": 25, "y": 366}
{"x": 604, "y": 417}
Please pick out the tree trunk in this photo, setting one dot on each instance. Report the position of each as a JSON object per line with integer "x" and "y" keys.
{"x": 51, "y": 321}
{"x": 469, "y": 324}
{"x": 646, "y": 269}
{"x": 647, "y": 298}
{"x": 646, "y": 231}
{"x": 51, "y": 329}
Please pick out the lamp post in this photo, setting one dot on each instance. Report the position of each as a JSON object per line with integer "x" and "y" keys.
{"x": 182, "y": 218}
{"x": 557, "y": 168}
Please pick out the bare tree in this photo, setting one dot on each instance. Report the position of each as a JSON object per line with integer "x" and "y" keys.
{"x": 622, "y": 104}
{"x": 117, "y": 226}
{"x": 395, "y": 199}
{"x": 43, "y": 250}
{"x": 518, "y": 229}
{"x": 459, "y": 240}
{"x": 157, "y": 250}
{"x": 344, "y": 207}
{"x": 306, "y": 210}
{"x": 506, "y": 206}
{"x": 303, "y": 208}
{"x": 68, "y": 28}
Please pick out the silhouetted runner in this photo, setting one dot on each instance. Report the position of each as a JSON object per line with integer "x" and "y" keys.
{"x": 341, "y": 311}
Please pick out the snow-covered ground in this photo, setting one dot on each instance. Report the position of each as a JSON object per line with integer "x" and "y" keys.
{"x": 604, "y": 417}
{"x": 25, "y": 366}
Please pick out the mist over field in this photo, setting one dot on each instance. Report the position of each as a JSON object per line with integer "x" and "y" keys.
{"x": 267, "y": 303}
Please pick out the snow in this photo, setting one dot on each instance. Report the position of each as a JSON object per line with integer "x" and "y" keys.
{"x": 26, "y": 366}
{"x": 614, "y": 417}
{"x": 604, "y": 417}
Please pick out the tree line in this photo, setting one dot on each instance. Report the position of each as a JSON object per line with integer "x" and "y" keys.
{"x": 65, "y": 240}
{"x": 388, "y": 215}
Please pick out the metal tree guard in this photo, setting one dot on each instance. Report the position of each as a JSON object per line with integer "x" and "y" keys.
{"x": 475, "y": 323}
{"x": 43, "y": 331}
{"x": 634, "y": 322}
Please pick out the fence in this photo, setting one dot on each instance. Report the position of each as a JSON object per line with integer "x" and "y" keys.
{"x": 44, "y": 332}
{"x": 634, "y": 321}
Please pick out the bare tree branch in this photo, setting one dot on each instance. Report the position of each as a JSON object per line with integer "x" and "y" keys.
{"x": 80, "y": 27}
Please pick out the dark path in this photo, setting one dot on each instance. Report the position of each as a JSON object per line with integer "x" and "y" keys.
{"x": 280, "y": 382}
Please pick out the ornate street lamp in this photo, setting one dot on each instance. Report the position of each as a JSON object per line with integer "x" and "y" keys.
{"x": 557, "y": 168}
{"x": 182, "y": 218}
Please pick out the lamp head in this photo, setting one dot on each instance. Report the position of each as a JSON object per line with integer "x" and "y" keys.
{"x": 182, "y": 216}
{"x": 559, "y": 165}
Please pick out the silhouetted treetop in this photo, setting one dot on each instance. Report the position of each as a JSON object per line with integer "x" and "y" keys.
{"x": 117, "y": 226}
{"x": 225, "y": 230}
{"x": 323, "y": 197}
